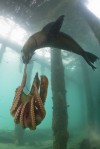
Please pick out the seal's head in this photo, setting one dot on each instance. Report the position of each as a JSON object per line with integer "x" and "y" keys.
{"x": 28, "y": 50}
{"x": 26, "y": 56}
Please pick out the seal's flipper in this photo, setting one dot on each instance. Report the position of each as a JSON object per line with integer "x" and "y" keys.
{"x": 90, "y": 58}
{"x": 58, "y": 24}
{"x": 54, "y": 27}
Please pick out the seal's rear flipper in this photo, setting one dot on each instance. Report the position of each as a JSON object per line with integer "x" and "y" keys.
{"x": 54, "y": 27}
{"x": 90, "y": 58}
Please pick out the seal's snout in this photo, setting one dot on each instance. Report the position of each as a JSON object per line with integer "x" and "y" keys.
{"x": 25, "y": 59}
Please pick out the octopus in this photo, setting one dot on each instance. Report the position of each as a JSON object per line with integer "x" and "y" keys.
{"x": 28, "y": 110}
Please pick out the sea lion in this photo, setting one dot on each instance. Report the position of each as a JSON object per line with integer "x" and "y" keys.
{"x": 51, "y": 36}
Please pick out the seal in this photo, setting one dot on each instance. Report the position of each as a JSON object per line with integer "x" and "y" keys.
{"x": 51, "y": 36}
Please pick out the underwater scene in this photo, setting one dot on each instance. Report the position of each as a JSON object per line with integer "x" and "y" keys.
{"x": 49, "y": 74}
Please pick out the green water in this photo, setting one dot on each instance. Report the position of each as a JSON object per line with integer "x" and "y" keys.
{"x": 11, "y": 78}
{"x": 82, "y": 86}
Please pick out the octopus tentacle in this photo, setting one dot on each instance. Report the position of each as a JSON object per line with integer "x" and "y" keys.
{"x": 17, "y": 114}
{"x": 22, "y": 114}
{"x": 29, "y": 110}
{"x": 38, "y": 116}
{"x": 16, "y": 101}
{"x": 24, "y": 78}
{"x": 43, "y": 88}
{"x": 32, "y": 113}
{"x": 39, "y": 101}
{"x": 17, "y": 98}
{"x": 37, "y": 80}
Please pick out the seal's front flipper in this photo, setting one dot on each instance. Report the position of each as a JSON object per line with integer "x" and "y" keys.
{"x": 54, "y": 27}
{"x": 90, "y": 58}
{"x": 57, "y": 25}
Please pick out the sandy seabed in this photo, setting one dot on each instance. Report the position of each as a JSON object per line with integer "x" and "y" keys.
{"x": 37, "y": 145}
{"x": 43, "y": 139}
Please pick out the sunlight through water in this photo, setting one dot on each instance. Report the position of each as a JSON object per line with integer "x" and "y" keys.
{"x": 94, "y": 6}
{"x": 45, "y": 52}
{"x": 11, "y": 30}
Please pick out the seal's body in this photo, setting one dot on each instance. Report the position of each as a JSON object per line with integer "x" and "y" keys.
{"x": 51, "y": 36}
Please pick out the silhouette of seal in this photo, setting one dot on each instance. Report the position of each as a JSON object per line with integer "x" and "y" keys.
{"x": 51, "y": 36}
